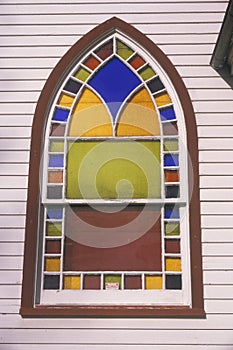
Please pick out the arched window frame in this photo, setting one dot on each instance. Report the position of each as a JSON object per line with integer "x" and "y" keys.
{"x": 195, "y": 307}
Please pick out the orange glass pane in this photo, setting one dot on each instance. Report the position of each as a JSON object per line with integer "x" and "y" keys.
{"x": 139, "y": 118}
{"x": 136, "y": 62}
{"x": 162, "y": 100}
{"x": 171, "y": 176}
{"x": 92, "y": 63}
{"x": 55, "y": 177}
{"x": 90, "y": 117}
{"x": 72, "y": 282}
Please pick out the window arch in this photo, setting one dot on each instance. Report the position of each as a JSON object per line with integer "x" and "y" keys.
{"x": 118, "y": 184}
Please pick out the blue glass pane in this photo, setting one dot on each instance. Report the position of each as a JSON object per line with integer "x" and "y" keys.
{"x": 167, "y": 114}
{"x": 114, "y": 82}
{"x": 60, "y": 115}
{"x": 171, "y": 160}
{"x": 171, "y": 212}
{"x": 56, "y": 161}
{"x": 54, "y": 213}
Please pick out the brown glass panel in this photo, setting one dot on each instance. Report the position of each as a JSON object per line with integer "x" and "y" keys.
{"x": 92, "y": 63}
{"x": 172, "y": 246}
{"x": 91, "y": 282}
{"x": 142, "y": 254}
{"x": 136, "y": 62}
{"x": 133, "y": 282}
{"x": 105, "y": 51}
{"x": 53, "y": 247}
{"x": 170, "y": 129}
{"x": 57, "y": 130}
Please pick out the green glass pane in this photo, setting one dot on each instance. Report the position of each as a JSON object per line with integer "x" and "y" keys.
{"x": 53, "y": 229}
{"x": 171, "y": 145}
{"x": 111, "y": 170}
{"x": 147, "y": 73}
{"x": 56, "y": 146}
{"x": 123, "y": 50}
{"x": 112, "y": 282}
{"x": 82, "y": 74}
{"x": 172, "y": 229}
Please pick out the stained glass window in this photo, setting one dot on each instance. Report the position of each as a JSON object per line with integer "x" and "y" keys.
{"x": 114, "y": 200}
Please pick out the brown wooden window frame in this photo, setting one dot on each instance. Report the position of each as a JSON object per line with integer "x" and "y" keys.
{"x": 28, "y": 306}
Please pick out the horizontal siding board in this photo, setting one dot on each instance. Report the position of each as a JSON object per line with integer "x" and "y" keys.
{"x": 217, "y": 235}
{"x": 113, "y": 347}
{"x": 12, "y": 221}
{"x": 217, "y": 208}
{"x": 11, "y": 262}
{"x": 216, "y": 169}
{"x": 211, "y": 322}
{"x": 95, "y": 18}
{"x": 71, "y": 336}
{"x": 22, "y": 86}
{"x": 80, "y": 29}
{"x": 14, "y": 156}
{"x": 216, "y": 221}
{"x": 218, "y": 278}
{"x": 16, "y": 144}
{"x": 207, "y": 83}
{"x": 219, "y": 307}
{"x": 12, "y": 234}
{"x": 211, "y": 94}
{"x": 217, "y": 194}
{"x": 13, "y": 182}
{"x": 68, "y": 40}
{"x": 214, "y": 118}
{"x": 86, "y": 8}
{"x": 12, "y": 169}
{"x": 218, "y": 292}
{"x": 11, "y": 248}
{"x": 217, "y": 131}
{"x": 13, "y": 132}
{"x": 217, "y": 249}
{"x": 216, "y": 156}
{"x": 218, "y": 263}
{"x": 10, "y": 277}
{"x": 16, "y": 120}
{"x": 215, "y": 144}
{"x": 10, "y": 291}
{"x": 13, "y": 194}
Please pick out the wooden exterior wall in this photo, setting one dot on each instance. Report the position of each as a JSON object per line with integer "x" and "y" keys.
{"x": 34, "y": 35}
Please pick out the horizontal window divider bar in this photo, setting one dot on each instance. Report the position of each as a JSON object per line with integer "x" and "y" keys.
{"x": 63, "y": 107}
{"x": 158, "y": 201}
{"x": 165, "y": 106}
{"x": 159, "y": 92}
{"x": 168, "y": 121}
{"x": 71, "y": 94}
{"x": 114, "y": 138}
{"x": 78, "y": 273}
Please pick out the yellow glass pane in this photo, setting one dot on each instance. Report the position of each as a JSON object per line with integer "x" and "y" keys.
{"x": 72, "y": 282}
{"x": 123, "y": 50}
{"x": 52, "y": 264}
{"x": 173, "y": 264}
{"x": 56, "y": 146}
{"x": 154, "y": 282}
{"x": 171, "y": 145}
{"x": 162, "y": 100}
{"x": 82, "y": 74}
{"x": 172, "y": 229}
{"x": 65, "y": 100}
{"x": 53, "y": 229}
{"x": 113, "y": 170}
{"x": 139, "y": 118}
{"x": 90, "y": 117}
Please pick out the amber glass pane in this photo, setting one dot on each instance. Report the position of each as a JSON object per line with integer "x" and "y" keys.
{"x": 173, "y": 264}
{"x": 113, "y": 170}
{"x": 162, "y": 99}
{"x": 154, "y": 282}
{"x": 65, "y": 100}
{"x": 139, "y": 117}
{"x": 52, "y": 264}
{"x": 90, "y": 117}
{"x": 71, "y": 282}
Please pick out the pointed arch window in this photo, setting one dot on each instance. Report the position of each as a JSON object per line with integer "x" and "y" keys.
{"x": 111, "y": 228}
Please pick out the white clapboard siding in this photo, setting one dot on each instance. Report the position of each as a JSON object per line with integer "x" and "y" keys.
{"x": 34, "y": 35}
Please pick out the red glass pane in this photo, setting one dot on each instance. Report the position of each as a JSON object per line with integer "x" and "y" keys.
{"x": 105, "y": 51}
